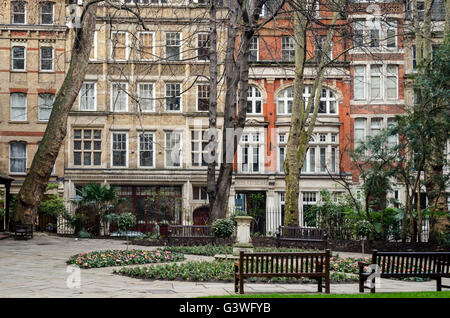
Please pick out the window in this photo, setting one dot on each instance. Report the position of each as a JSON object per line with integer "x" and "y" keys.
{"x": 173, "y": 97}
{"x": 284, "y": 101}
{"x": 358, "y": 33}
{"x": 45, "y": 105}
{"x": 18, "y": 157}
{"x": 18, "y": 107}
{"x": 93, "y": 53}
{"x": 309, "y": 199}
{"x": 199, "y": 193}
{"x": 322, "y": 137}
{"x": 203, "y": 47}
{"x": 319, "y": 47}
{"x": 392, "y": 139}
{"x": 46, "y": 12}
{"x": 18, "y": 58}
{"x": 119, "y": 149}
{"x": 375, "y": 126}
{"x": 391, "y": 34}
{"x": 359, "y": 80}
{"x": 146, "y": 98}
{"x": 391, "y": 81}
{"x": 309, "y": 165}
{"x": 375, "y": 81}
{"x": 203, "y": 97}
{"x": 282, "y": 151}
{"x": 374, "y": 33}
{"x": 287, "y": 49}
{"x": 145, "y": 45}
{"x": 87, "y": 98}
{"x": 119, "y": 97}
{"x": 254, "y": 101}
{"x": 119, "y": 47}
{"x": 173, "y": 149}
{"x": 46, "y": 58}
{"x": 250, "y": 160}
{"x": 360, "y": 131}
{"x": 323, "y": 159}
{"x": 147, "y": 150}
{"x": 198, "y": 144}
{"x": 327, "y": 104}
{"x": 18, "y": 12}
{"x": 334, "y": 138}
{"x": 333, "y": 159}
{"x": 173, "y": 46}
{"x": 87, "y": 147}
{"x": 253, "y": 49}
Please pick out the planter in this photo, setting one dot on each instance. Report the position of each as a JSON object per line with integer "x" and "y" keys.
{"x": 243, "y": 240}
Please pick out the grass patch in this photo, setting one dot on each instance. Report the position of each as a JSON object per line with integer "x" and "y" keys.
{"x": 442, "y": 294}
{"x": 107, "y": 258}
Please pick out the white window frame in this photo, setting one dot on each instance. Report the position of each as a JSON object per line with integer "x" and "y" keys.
{"x": 249, "y": 141}
{"x": 197, "y": 44}
{"x": 251, "y": 48}
{"x": 288, "y": 47}
{"x": 179, "y": 46}
{"x": 200, "y": 189}
{"x": 127, "y": 46}
{"x": 52, "y": 59}
{"x": 386, "y": 79}
{"x": 362, "y": 127}
{"x": 152, "y": 150}
{"x": 166, "y": 149}
{"x": 82, "y": 150}
{"x": 380, "y": 77}
{"x": 152, "y": 98}
{"x": 362, "y": 81}
{"x": 200, "y": 150}
{"x": 328, "y": 99}
{"x": 44, "y": 106}
{"x": 197, "y": 96}
{"x": 126, "y": 146}
{"x": 113, "y": 108}
{"x": 254, "y": 98}
{"x": 11, "y": 158}
{"x": 180, "y": 97}
{"x": 25, "y": 107}
{"x": 53, "y": 12}
{"x": 284, "y": 95}
{"x": 24, "y": 59}
{"x": 80, "y": 97}
{"x": 153, "y": 45}
{"x": 24, "y": 13}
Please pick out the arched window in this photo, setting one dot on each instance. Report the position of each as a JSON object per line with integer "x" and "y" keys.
{"x": 328, "y": 102}
{"x": 254, "y": 101}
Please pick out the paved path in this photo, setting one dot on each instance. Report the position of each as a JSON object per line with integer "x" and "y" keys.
{"x": 37, "y": 268}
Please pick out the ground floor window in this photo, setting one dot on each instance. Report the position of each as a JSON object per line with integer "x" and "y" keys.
{"x": 309, "y": 200}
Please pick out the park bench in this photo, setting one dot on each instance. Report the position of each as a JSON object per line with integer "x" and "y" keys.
{"x": 302, "y": 234}
{"x": 190, "y": 231}
{"x": 434, "y": 265}
{"x": 23, "y": 231}
{"x": 315, "y": 265}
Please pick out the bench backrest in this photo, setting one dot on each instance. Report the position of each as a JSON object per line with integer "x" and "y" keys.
{"x": 303, "y": 232}
{"x": 189, "y": 230}
{"x": 284, "y": 263}
{"x": 405, "y": 263}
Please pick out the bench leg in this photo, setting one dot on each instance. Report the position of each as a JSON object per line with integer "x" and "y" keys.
{"x": 439, "y": 284}
{"x": 319, "y": 284}
{"x": 327, "y": 285}
{"x": 241, "y": 285}
{"x": 361, "y": 284}
{"x": 372, "y": 290}
{"x": 236, "y": 284}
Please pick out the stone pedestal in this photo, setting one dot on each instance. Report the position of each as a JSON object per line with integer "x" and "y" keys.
{"x": 243, "y": 240}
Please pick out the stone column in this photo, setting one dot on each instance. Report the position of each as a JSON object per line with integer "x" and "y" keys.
{"x": 243, "y": 240}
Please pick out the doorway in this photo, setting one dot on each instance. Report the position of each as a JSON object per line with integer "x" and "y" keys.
{"x": 253, "y": 203}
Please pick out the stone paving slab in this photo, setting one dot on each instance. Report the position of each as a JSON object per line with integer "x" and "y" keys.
{"x": 37, "y": 268}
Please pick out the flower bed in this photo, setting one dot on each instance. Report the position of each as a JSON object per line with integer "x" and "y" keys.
{"x": 211, "y": 271}
{"x": 123, "y": 257}
{"x": 211, "y": 250}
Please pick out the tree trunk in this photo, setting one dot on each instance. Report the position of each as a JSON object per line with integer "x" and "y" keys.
{"x": 34, "y": 185}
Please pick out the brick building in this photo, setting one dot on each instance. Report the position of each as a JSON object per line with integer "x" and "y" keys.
{"x": 142, "y": 111}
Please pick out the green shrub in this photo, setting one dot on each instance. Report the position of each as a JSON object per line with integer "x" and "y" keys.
{"x": 364, "y": 228}
{"x": 84, "y": 234}
{"x": 223, "y": 228}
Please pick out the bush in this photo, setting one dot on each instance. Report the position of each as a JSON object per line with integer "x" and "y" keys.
{"x": 84, "y": 234}
{"x": 223, "y": 228}
{"x": 364, "y": 228}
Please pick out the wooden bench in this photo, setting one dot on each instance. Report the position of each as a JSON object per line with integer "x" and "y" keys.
{"x": 190, "y": 231}
{"x": 434, "y": 265}
{"x": 311, "y": 265}
{"x": 302, "y": 234}
{"x": 23, "y": 231}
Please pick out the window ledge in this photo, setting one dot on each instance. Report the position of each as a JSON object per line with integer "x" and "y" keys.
{"x": 18, "y": 122}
